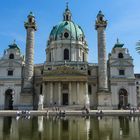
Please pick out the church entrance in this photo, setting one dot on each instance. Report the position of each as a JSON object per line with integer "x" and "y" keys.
{"x": 65, "y": 99}
{"x": 123, "y": 99}
{"x": 9, "y": 99}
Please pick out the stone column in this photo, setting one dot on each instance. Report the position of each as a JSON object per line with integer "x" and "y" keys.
{"x": 30, "y": 26}
{"x": 59, "y": 94}
{"x": 41, "y": 98}
{"x": 102, "y": 62}
{"x": 77, "y": 54}
{"x": 70, "y": 94}
{"x": 86, "y": 87}
{"x": 102, "y": 69}
{"x": 87, "y": 99}
{"x": 86, "y": 56}
{"x": 51, "y": 93}
{"x": 53, "y": 55}
{"x": 51, "y": 51}
{"x": 43, "y": 88}
{"x": 77, "y": 95}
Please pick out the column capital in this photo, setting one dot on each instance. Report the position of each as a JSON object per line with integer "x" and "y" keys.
{"x": 30, "y": 23}
{"x": 101, "y": 22}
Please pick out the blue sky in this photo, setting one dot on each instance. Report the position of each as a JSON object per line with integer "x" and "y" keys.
{"x": 123, "y": 22}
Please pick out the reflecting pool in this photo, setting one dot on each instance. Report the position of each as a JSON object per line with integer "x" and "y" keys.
{"x": 70, "y": 128}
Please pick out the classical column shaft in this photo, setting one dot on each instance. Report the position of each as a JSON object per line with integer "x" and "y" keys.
{"x": 59, "y": 93}
{"x": 86, "y": 87}
{"x": 86, "y": 56}
{"x": 70, "y": 94}
{"x": 102, "y": 64}
{"x": 43, "y": 88}
{"x": 51, "y": 93}
{"x": 87, "y": 99}
{"x": 77, "y": 93}
{"x": 29, "y": 59}
{"x": 30, "y": 27}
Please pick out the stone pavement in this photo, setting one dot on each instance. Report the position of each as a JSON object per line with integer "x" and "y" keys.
{"x": 69, "y": 112}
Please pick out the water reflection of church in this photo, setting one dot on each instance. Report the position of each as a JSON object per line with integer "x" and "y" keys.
{"x": 66, "y": 78}
{"x": 74, "y": 128}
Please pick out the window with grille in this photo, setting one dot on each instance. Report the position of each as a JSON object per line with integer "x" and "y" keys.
{"x": 10, "y": 73}
{"x": 121, "y": 72}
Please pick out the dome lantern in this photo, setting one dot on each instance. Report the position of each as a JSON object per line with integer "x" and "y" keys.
{"x": 67, "y": 14}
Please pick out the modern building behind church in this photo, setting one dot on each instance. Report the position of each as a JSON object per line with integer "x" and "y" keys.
{"x": 66, "y": 79}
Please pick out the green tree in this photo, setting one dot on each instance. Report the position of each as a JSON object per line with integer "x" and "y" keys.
{"x": 138, "y": 47}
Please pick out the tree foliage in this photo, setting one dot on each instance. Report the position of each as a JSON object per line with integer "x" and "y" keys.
{"x": 138, "y": 47}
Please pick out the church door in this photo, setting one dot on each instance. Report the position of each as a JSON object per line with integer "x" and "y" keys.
{"x": 123, "y": 99}
{"x": 65, "y": 99}
{"x": 9, "y": 99}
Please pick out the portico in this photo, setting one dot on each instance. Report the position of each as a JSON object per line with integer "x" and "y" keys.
{"x": 61, "y": 89}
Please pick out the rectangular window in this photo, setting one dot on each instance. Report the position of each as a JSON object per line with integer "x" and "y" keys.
{"x": 10, "y": 72}
{"x": 121, "y": 72}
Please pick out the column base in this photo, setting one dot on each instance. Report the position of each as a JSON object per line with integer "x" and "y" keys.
{"x": 104, "y": 100}
{"x": 26, "y": 100}
{"x": 27, "y": 85}
{"x": 40, "y": 103}
{"x": 40, "y": 107}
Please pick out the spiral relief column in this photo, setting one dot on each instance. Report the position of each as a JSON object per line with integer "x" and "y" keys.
{"x": 30, "y": 27}
{"x": 104, "y": 96}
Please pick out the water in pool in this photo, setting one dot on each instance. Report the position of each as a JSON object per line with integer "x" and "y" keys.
{"x": 70, "y": 128}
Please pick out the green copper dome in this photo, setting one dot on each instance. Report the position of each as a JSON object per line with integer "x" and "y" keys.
{"x": 118, "y": 44}
{"x": 67, "y": 29}
{"x": 14, "y": 46}
{"x": 73, "y": 31}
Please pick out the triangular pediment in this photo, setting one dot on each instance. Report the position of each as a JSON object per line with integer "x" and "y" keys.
{"x": 65, "y": 71}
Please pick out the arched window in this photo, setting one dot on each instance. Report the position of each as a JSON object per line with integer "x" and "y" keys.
{"x": 9, "y": 99}
{"x": 66, "y": 54}
{"x": 30, "y": 20}
{"x": 67, "y": 17}
{"x": 123, "y": 98}
{"x": 101, "y": 18}
{"x": 120, "y": 55}
{"x": 11, "y": 56}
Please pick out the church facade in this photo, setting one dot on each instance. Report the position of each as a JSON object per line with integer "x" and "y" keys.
{"x": 66, "y": 79}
